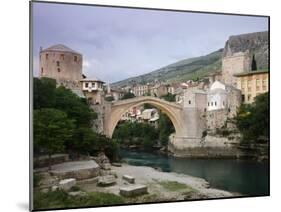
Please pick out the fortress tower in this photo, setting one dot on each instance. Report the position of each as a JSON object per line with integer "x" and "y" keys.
{"x": 61, "y": 63}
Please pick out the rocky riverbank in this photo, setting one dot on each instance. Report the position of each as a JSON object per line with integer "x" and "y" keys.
{"x": 161, "y": 186}
{"x": 142, "y": 184}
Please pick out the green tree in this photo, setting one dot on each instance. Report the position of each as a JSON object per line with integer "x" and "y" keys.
{"x": 109, "y": 98}
{"x": 254, "y": 64}
{"x": 52, "y": 128}
{"x": 43, "y": 93}
{"x": 128, "y": 96}
{"x": 166, "y": 128}
{"x": 75, "y": 107}
{"x": 84, "y": 141}
{"x": 253, "y": 120}
{"x": 169, "y": 97}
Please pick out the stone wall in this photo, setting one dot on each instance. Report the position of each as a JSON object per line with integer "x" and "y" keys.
{"x": 98, "y": 124}
{"x": 208, "y": 147}
{"x": 216, "y": 118}
{"x": 234, "y": 100}
{"x": 61, "y": 65}
{"x": 234, "y": 64}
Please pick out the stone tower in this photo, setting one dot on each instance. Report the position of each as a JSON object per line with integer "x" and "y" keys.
{"x": 239, "y": 52}
{"x": 237, "y": 63}
{"x": 61, "y": 63}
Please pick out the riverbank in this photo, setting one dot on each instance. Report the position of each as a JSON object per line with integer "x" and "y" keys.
{"x": 162, "y": 186}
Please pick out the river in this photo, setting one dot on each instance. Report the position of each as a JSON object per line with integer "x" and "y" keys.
{"x": 242, "y": 176}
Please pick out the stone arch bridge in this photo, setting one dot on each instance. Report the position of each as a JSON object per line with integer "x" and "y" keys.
{"x": 186, "y": 120}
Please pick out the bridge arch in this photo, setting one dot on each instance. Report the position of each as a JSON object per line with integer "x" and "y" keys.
{"x": 117, "y": 109}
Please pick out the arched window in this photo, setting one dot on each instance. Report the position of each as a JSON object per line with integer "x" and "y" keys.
{"x": 75, "y": 58}
{"x": 58, "y": 63}
{"x": 58, "y": 69}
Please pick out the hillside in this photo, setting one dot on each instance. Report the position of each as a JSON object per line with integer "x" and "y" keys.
{"x": 190, "y": 68}
{"x": 256, "y": 43}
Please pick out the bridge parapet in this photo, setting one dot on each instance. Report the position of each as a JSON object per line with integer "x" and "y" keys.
{"x": 145, "y": 98}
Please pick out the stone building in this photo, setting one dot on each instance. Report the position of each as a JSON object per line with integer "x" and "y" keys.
{"x": 241, "y": 52}
{"x": 61, "y": 63}
{"x": 223, "y": 102}
{"x": 217, "y": 96}
{"x": 115, "y": 93}
{"x": 93, "y": 90}
{"x": 236, "y": 63}
{"x": 252, "y": 84}
{"x": 159, "y": 90}
{"x": 141, "y": 90}
{"x": 195, "y": 98}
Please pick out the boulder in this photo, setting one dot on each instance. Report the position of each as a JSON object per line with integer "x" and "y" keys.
{"x": 108, "y": 172}
{"x": 67, "y": 184}
{"x": 102, "y": 158}
{"x": 128, "y": 178}
{"x": 77, "y": 193}
{"x": 116, "y": 164}
{"x": 106, "y": 180}
{"x": 54, "y": 188}
{"x": 106, "y": 166}
{"x": 79, "y": 170}
{"x": 47, "y": 180}
{"x": 133, "y": 190}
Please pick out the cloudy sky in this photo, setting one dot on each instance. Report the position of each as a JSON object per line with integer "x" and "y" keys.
{"x": 118, "y": 43}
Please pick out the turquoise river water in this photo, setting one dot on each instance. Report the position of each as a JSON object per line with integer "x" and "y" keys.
{"x": 242, "y": 176}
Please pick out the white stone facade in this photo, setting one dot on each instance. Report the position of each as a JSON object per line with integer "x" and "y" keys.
{"x": 217, "y": 96}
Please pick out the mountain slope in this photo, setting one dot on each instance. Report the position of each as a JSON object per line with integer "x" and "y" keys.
{"x": 182, "y": 70}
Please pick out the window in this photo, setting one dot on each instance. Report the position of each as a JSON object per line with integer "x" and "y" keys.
{"x": 257, "y": 82}
{"x": 208, "y": 103}
{"x": 223, "y": 103}
{"x": 58, "y": 69}
{"x": 62, "y": 56}
{"x": 75, "y": 58}
{"x": 243, "y": 98}
{"x": 189, "y": 102}
{"x": 249, "y": 97}
{"x": 215, "y": 103}
{"x": 212, "y": 103}
{"x": 42, "y": 71}
{"x": 58, "y": 63}
{"x": 86, "y": 85}
{"x": 47, "y": 56}
{"x": 264, "y": 84}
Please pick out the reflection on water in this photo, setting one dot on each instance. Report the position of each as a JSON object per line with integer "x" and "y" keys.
{"x": 246, "y": 177}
